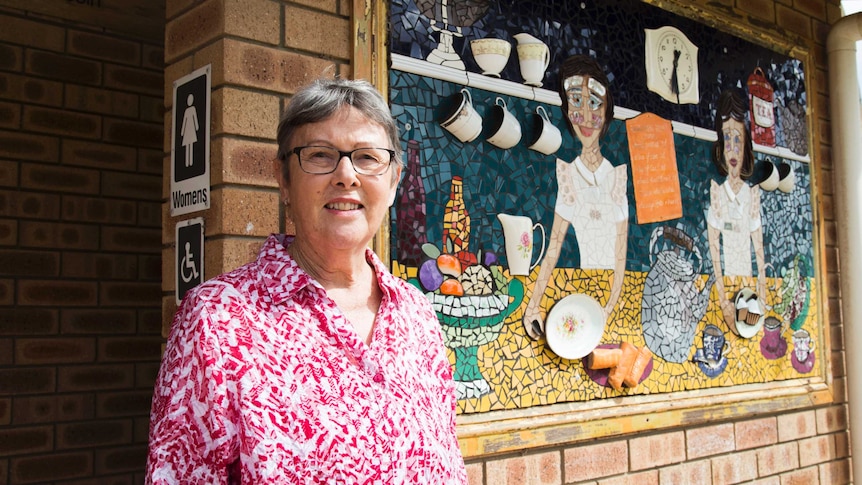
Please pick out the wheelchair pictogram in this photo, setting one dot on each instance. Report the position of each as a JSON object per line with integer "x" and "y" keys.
{"x": 188, "y": 265}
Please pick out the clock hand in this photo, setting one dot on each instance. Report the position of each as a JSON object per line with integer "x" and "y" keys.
{"x": 674, "y": 78}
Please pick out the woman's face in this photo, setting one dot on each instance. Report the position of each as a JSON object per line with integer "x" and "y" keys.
{"x": 586, "y": 98}
{"x": 341, "y": 210}
{"x": 734, "y": 135}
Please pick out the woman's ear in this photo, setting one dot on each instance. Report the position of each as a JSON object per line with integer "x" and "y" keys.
{"x": 278, "y": 173}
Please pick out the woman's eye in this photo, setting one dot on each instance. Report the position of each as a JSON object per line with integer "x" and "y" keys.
{"x": 595, "y": 103}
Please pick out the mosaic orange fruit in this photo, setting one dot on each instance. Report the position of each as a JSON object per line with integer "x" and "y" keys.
{"x": 452, "y": 287}
{"x": 449, "y": 265}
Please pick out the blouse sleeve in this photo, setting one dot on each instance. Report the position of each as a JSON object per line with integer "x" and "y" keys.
{"x": 190, "y": 432}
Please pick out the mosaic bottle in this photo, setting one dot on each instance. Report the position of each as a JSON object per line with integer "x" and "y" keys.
{"x": 456, "y": 220}
{"x": 410, "y": 226}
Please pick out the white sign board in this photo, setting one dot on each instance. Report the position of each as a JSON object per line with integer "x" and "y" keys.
{"x": 189, "y": 255}
{"x": 190, "y": 143}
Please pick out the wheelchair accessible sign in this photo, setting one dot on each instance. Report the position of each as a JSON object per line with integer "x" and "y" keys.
{"x": 190, "y": 143}
{"x": 190, "y": 256}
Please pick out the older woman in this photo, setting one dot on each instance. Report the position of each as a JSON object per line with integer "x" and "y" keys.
{"x": 312, "y": 364}
{"x": 733, "y": 218}
{"x": 591, "y": 192}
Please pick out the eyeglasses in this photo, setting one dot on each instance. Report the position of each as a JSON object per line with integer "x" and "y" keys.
{"x": 322, "y": 160}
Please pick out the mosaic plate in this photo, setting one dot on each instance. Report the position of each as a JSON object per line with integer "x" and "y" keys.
{"x": 575, "y": 326}
{"x": 743, "y": 329}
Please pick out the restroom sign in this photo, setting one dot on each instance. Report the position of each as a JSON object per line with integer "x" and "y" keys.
{"x": 190, "y": 143}
{"x": 189, "y": 255}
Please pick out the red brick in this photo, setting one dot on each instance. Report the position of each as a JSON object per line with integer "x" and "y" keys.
{"x": 32, "y": 34}
{"x": 30, "y": 90}
{"x": 795, "y": 426}
{"x": 130, "y": 239}
{"x": 121, "y": 459}
{"x": 24, "y": 146}
{"x": 151, "y": 109}
{"x": 710, "y": 440}
{"x": 60, "y": 179}
{"x": 126, "y": 349}
{"x": 8, "y": 232}
{"x": 98, "y": 209}
{"x": 153, "y": 57}
{"x": 145, "y": 135}
{"x": 588, "y": 462}
{"x": 835, "y": 472}
{"x": 6, "y": 358}
{"x": 643, "y": 478}
{"x": 27, "y": 380}
{"x": 134, "y": 80}
{"x": 58, "y": 235}
{"x": 831, "y": 419}
{"x": 53, "y": 293}
{"x": 475, "y": 474}
{"x": 150, "y": 161}
{"x": 29, "y": 205}
{"x": 5, "y": 412}
{"x": 777, "y": 458}
{"x": 537, "y": 469}
{"x": 57, "y": 466}
{"x": 756, "y": 433}
{"x": 793, "y": 21}
{"x": 804, "y": 476}
{"x": 125, "y": 403}
{"x": 61, "y": 122}
{"x": 99, "y": 155}
{"x": 7, "y": 292}
{"x": 243, "y": 162}
{"x": 95, "y": 377}
{"x": 11, "y": 57}
{"x": 103, "y": 47}
{"x": 98, "y": 321}
{"x": 129, "y": 294}
{"x": 65, "y": 350}
{"x": 103, "y": 101}
{"x": 53, "y": 408}
{"x": 816, "y": 450}
{"x": 734, "y": 468}
{"x": 657, "y": 450}
{"x": 10, "y": 116}
{"x": 102, "y": 266}
{"x": 192, "y": 29}
{"x": 8, "y": 173}
{"x": 94, "y": 433}
{"x": 21, "y": 441}
{"x": 28, "y": 321}
{"x": 136, "y": 186}
{"x": 145, "y": 375}
{"x": 63, "y": 67}
{"x": 336, "y": 42}
{"x": 686, "y": 473}
{"x": 149, "y": 214}
{"x": 29, "y": 263}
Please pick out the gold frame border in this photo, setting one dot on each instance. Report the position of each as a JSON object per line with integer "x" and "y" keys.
{"x": 497, "y": 432}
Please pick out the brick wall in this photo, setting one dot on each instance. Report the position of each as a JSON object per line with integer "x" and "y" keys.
{"x": 81, "y": 129}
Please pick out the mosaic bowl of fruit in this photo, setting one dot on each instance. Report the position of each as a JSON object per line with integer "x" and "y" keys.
{"x": 470, "y": 293}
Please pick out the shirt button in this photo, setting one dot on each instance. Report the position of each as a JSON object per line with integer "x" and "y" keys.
{"x": 378, "y": 378}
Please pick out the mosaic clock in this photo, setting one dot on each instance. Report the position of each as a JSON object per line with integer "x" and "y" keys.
{"x": 671, "y": 65}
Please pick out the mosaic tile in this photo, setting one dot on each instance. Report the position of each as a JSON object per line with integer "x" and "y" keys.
{"x": 669, "y": 301}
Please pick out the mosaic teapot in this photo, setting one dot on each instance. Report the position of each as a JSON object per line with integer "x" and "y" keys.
{"x": 672, "y": 305}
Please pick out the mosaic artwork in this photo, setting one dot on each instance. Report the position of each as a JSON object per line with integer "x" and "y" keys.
{"x": 596, "y": 211}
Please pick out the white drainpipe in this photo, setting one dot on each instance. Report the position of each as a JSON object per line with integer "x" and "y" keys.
{"x": 846, "y": 120}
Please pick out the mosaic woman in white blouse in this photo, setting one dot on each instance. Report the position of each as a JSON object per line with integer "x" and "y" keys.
{"x": 733, "y": 217}
{"x": 591, "y": 192}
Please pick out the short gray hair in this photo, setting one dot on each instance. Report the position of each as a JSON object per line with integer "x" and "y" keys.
{"x": 319, "y": 100}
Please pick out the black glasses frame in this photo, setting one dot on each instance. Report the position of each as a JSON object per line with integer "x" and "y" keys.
{"x": 341, "y": 155}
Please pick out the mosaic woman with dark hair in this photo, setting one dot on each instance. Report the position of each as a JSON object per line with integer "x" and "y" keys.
{"x": 591, "y": 192}
{"x": 733, "y": 218}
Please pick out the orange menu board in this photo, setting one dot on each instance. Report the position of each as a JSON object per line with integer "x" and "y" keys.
{"x": 654, "y": 172}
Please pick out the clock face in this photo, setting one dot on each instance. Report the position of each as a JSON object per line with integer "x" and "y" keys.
{"x": 671, "y": 65}
{"x": 675, "y": 62}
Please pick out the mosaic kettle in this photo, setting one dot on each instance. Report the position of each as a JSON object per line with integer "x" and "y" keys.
{"x": 672, "y": 305}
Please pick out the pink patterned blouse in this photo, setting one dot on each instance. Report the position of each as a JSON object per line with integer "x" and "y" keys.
{"x": 264, "y": 381}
